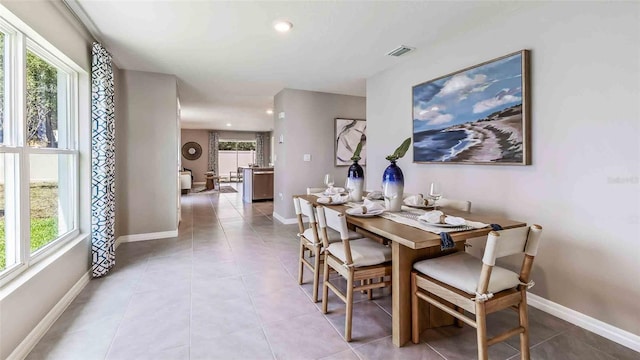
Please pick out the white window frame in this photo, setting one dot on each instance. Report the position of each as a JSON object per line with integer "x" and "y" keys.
{"x": 18, "y": 39}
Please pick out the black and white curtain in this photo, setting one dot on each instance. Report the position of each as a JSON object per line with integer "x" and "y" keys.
{"x": 260, "y": 149}
{"x": 103, "y": 162}
{"x": 214, "y": 141}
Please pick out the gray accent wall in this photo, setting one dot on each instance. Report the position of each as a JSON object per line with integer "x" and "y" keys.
{"x": 147, "y": 139}
{"x": 308, "y": 128}
{"x": 199, "y": 166}
{"x": 583, "y": 184}
{"x": 25, "y": 301}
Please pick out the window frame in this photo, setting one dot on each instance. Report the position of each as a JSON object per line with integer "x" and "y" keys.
{"x": 20, "y": 39}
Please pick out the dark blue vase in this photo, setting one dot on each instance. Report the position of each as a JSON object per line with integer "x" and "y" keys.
{"x": 393, "y": 187}
{"x": 355, "y": 182}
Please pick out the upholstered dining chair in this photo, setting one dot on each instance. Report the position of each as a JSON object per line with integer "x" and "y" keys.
{"x": 310, "y": 241}
{"x": 315, "y": 190}
{"x": 361, "y": 260}
{"x": 478, "y": 286}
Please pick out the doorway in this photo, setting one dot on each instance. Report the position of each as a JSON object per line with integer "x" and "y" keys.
{"x": 233, "y": 154}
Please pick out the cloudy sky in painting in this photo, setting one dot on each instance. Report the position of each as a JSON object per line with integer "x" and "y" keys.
{"x": 468, "y": 96}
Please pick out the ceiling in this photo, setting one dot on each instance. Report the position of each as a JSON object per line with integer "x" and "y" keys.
{"x": 230, "y": 62}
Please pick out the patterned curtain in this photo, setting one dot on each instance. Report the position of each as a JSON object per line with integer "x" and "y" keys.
{"x": 260, "y": 149}
{"x": 102, "y": 163}
{"x": 214, "y": 140}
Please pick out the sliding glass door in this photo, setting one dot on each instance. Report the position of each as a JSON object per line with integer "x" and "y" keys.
{"x": 233, "y": 154}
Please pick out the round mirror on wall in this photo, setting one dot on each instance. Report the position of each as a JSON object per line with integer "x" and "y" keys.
{"x": 191, "y": 150}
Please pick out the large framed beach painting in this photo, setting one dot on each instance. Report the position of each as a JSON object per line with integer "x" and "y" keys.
{"x": 348, "y": 134}
{"x": 479, "y": 115}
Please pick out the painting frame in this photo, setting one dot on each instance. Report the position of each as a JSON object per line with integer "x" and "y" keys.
{"x": 347, "y": 134}
{"x": 446, "y": 129}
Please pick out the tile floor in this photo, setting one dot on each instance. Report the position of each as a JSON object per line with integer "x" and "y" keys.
{"x": 226, "y": 288}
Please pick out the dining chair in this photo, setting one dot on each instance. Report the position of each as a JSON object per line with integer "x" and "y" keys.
{"x": 355, "y": 260}
{"x": 310, "y": 241}
{"x": 478, "y": 286}
{"x": 315, "y": 190}
{"x": 461, "y": 205}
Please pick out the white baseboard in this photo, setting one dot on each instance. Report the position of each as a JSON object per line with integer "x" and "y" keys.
{"x": 284, "y": 220}
{"x": 147, "y": 236}
{"x": 25, "y": 347}
{"x": 622, "y": 337}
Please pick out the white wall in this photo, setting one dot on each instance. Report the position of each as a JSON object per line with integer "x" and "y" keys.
{"x": 308, "y": 128}
{"x": 583, "y": 185}
{"x": 148, "y": 143}
{"x": 25, "y": 301}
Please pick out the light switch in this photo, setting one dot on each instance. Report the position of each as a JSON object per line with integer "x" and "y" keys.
{"x": 281, "y": 115}
{"x": 307, "y": 157}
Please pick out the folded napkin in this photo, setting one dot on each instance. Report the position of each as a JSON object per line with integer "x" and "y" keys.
{"x": 416, "y": 200}
{"x": 367, "y": 207}
{"x": 337, "y": 198}
{"x": 336, "y": 190}
{"x": 375, "y": 195}
{"x": 438, "y": 217}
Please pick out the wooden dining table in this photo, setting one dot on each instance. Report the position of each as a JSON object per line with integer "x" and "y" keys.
{"x": 408, "y": 245}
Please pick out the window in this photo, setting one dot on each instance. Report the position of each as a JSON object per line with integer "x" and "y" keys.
{"x": 38, "y": 150}
{"x": 233, "y": 154}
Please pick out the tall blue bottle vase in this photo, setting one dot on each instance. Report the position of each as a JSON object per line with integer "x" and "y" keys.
{"x": 393, "y": 187}
{"x": 355, "y": 182}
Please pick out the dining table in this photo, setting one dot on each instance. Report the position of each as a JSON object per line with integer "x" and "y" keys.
{"x": 410, "y": 244}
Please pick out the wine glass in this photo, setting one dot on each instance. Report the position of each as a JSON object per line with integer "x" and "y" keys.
{"x": 435, "y": 193}
{"x": 349, "y": 187}
{"x": 328, "y": 180}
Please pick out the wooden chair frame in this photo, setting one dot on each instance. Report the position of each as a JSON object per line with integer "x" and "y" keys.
{"x": 433, "y": 291}
{"x": 365, "y": 275}
{"x": 314, "y": 246}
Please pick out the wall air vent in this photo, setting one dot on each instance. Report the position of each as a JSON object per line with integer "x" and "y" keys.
{"x": 400, "y": 50}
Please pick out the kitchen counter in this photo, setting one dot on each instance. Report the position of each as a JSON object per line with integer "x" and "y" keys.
{"x": 257, "y": 183}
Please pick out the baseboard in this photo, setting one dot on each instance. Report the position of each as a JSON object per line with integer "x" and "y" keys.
{"x": 622, "y": 337}
{"x": 284, "y": 220}
{"x": 147, "y": 236}
{"x": 25, "y": 347}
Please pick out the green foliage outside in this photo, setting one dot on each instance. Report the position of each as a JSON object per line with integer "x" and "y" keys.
{"x": 42, "y": 102}
{"x": 241, "y": 145}
{"x": 44, "y": 217}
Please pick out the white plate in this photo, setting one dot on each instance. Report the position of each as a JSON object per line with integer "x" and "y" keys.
{"x": 358, "y": 212}
{"x": 439, "y": 225}
{"x": 325, "y": 201}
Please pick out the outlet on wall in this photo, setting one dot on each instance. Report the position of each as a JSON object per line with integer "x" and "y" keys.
{"x": 307, "y": 157}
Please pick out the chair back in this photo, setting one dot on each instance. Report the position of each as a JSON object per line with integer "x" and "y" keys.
{"x": 315, "y": 190}
{"x": 329, "y": 218}
{"x": 512, "y": 241}
{"x": 461, "y": 205}
{"x": 305, "y": 208}
{"x": 509, "y": 242}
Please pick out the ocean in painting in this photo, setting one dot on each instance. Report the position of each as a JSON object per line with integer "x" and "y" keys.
{"x": 439, "y": 145}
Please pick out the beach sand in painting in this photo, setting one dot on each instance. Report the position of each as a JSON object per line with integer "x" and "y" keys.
{"x": 495, "y": 139}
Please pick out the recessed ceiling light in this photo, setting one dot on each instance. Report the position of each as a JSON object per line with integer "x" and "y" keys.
{"x": 282, "y": 26}
{"x": 228, "y": 124}
{"x": 270, "y": 111}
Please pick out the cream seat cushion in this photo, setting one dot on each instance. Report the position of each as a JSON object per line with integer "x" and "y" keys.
{"x": 333, "y": 235}
{"x": 364, "y": 252}
{"x": 462, "y": 271}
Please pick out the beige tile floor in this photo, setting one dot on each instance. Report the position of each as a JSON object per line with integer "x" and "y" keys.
{"x": 226, "y": 288}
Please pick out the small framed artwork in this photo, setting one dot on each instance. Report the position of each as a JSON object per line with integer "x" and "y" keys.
{"x": 478, "y": 115}
{"x": 348, "y": 134}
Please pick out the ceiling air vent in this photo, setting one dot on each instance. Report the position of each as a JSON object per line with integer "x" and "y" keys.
{"x": 400, "y": 50}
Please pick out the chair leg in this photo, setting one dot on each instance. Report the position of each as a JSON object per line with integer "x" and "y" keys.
{"x": 316, "y": 273}
{"x": 349, "y": 311}
{"x": 524, "y": 323}
{"x": 325, "y": 287}
{"x": 415, "y": 316}
{"x": 481, "y": 331}
{"x": 459, "y": 323}
{"x": 370, "y": 291}
{"x": 301, "y": 264}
